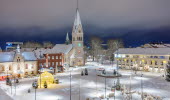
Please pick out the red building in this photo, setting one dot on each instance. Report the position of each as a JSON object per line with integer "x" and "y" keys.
{"x": 52, "y": 61}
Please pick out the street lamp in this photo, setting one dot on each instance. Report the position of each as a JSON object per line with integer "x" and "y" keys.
{"x": 35, "y": 85}
{"x": 105, "y": 88}
{"x": 141, "y": 86}
{"x": 70, "y": 84}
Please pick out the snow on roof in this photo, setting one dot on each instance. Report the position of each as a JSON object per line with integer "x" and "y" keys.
{"x": 39, "y": 52}
{"x": 77, "y": 22}
{"x": 6, "y": 56}
{"x": 60, "y": 48}
{"x": 29, "y": 56}
{"x": 144, "y": 51}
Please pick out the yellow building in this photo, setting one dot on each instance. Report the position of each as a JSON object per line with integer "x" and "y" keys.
{"x": 147, "y": 59}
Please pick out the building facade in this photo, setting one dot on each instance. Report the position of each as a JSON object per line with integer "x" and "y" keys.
{"x": 78, "y": 41}
{"x": 146, "y": 59}
{"x": 18, "y": 64}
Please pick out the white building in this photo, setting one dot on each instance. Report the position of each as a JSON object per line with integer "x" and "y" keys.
{"x": 18, "y": 63}
{"x": 147, "y": 59}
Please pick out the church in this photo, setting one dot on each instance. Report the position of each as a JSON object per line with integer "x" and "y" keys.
{"x": 64, "y": 55}
{"x": 22, "y": 63}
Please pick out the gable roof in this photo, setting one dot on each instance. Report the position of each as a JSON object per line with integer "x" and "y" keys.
{"x": 60, "y": 48}
{"x": 29, "y": 56}
{"x": 6, "y": 56}
{"x": 9, "y": 56}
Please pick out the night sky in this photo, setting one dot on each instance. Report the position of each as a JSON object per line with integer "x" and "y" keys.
{"x": 135, "y": 21}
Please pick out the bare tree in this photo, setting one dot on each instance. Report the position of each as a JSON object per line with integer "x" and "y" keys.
{"x": 31, "y": 44}
{"x": 113, "y": 45}
{"x": 48, "y": 44}
{"x": 95, "y": 47}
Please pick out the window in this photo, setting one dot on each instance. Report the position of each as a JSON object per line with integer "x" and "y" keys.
{"x": 56, "y": 57}
{"x": 18, "y": 67}
{"x": 127, "y": 61}
{"x": 60, "y": 57}
{"x": 156, "y": 63}
{"x": 2, "y": 68}
{"x": 145, "y": 62}
{"x": 52, "y": 63}
{"x": 52, "y": 57}
{"x": 60, "y": 63}
{"x": 48, "y": 57}
{"x": 56, "y": 63}
{"x": 18, "y": 59}
{"x": 10, "y": 68}
{"x": 155, "y": 56}
{"x": 26, "y": 66}
{"x": 32, "y": 66}
{"x": 162, "y": 57}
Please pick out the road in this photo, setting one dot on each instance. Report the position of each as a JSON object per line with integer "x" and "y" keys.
{"x": 93, "y": 86}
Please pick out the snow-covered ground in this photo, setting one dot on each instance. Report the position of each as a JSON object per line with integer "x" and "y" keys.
{"x": 90, "y": 86}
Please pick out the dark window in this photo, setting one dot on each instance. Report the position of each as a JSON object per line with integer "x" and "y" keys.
{"x": 156, "y": 63}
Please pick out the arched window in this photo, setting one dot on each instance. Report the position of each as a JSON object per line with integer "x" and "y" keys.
{"x": 18, "y": 67}
{"x": 2, "y": 68}
{"x": 79, "y": 31}
{"x": 10, "y": 68}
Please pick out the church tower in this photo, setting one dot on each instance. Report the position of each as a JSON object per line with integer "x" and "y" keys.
{"x": 77, "y": 40}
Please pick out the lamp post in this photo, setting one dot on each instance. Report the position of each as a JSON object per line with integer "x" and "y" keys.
{"x": 35, "y": 87}
{"x": 96, "y": 83}
{"x": 114, "y": 91}
{"x": 105, "y": 88}
{"x": 70, "y": 84}
{"x": 141, "y": 86}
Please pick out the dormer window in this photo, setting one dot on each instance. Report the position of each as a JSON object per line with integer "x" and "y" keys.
{"x": 79, "y": 31}
{"x": 18, "y": 59}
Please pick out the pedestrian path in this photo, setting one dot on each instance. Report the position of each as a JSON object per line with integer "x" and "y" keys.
{"x": 4, "y": 96}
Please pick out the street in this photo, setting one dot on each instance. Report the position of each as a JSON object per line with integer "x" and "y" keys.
{"x": 92, "y": 86}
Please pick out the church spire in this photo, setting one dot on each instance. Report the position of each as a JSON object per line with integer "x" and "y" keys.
{"x": 77, "y": 21}
{"x": 18, "y": 49}
{"x": 67, "y": 39}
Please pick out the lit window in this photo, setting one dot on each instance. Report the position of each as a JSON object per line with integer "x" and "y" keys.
{"x": 26, "y": 66}
{"x": 52, "y": 57}
{"x": 56, "y": 57}
{"x": 18, "y": 67}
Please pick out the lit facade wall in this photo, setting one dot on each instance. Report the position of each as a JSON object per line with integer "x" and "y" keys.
{"x": 151, "y": 63}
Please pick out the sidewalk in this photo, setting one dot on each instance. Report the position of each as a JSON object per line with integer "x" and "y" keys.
{"x": 4, "y": 96}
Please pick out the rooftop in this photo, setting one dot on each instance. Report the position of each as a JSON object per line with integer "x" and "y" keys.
{"x": 144, "y": 51}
